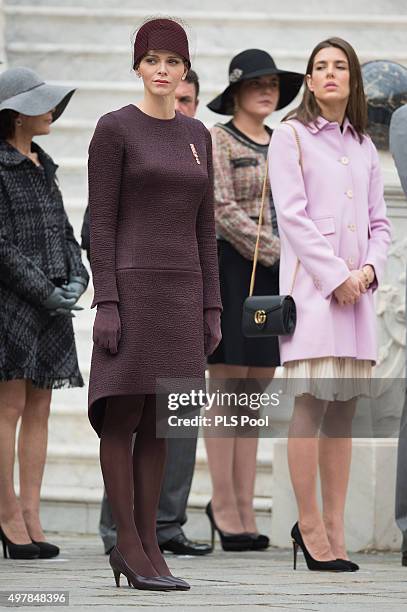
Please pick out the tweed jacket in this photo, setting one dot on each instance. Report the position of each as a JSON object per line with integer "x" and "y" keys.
{"x": 332, "y": 217}
{"x": 238, "y": 174}
{"x": 37, "y": 243}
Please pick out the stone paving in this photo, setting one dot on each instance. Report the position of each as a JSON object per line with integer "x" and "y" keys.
{"x": 221, "y": 581}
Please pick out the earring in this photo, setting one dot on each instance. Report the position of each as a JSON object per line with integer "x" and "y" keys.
{"x": 19, "y": 122}
{"x": 139, "y": 75}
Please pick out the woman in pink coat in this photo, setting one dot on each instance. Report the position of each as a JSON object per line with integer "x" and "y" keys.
{"x": 328, "y": 193}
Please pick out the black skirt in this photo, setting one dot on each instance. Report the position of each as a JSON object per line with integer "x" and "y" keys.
{"x": 235, "y": 273}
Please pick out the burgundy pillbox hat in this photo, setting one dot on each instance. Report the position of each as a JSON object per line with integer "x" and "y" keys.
{"x": 161, "y": 34}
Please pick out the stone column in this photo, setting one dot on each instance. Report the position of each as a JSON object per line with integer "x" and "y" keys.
{"x": 2, "y": 37}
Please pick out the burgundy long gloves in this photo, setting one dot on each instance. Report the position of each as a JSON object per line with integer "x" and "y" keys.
{"x": 107, "y": 328}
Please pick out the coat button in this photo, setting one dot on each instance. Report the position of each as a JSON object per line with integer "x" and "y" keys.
{"x": 54, "y": 228}
{"x": 352, "y": 227}
{"x": 349, "y": 193}
{"x": 344, "y": 161}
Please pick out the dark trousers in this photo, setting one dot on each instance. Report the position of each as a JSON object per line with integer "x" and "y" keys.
{"x": 177, "y": 481}
{"x": 401, "y": 482}
{"x": 178, "y": 475}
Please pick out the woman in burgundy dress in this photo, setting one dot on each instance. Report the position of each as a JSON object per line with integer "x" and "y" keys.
{"x": 155, "y": 274}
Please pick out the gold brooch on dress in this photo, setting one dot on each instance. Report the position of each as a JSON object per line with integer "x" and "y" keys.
{"x": 194, "y": 153}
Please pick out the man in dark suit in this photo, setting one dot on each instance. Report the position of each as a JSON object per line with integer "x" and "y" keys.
{"x": 398, "y": 148}
{"x": 180, "y": 464}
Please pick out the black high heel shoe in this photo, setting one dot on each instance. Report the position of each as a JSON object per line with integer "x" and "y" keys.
{"x": 259, "y": 541}
{"x": 353, "y": 567}
{"x": 47, "y": 550}
{"x": 151, "y": 583}
{"x": 229, "y": 541}
{"x": 18, "y": 551}
{"x": 336, "y": 565}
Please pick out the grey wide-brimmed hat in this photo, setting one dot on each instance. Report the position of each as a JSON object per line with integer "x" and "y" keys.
{"x": 23, "y": 91}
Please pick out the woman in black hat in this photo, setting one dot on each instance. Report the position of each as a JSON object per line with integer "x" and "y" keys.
{"x": 41, "y": 278}
{"x": 256, "y": 88}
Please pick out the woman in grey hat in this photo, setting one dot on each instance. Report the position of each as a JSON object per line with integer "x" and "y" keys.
{"x": 41, "y": 279}
{"x": 256, "y": 88}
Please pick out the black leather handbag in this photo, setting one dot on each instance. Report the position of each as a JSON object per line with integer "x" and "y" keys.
{"x": 269, "y": 315}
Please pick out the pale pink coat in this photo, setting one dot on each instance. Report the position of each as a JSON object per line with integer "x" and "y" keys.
{"x": 333, "y": 218}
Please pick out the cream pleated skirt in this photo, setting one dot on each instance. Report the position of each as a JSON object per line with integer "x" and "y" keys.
{"x": 328, "y": 378}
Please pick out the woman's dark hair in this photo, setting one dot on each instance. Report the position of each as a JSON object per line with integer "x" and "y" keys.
{"x": 7, "y": 123}
{"x": 356, "y": 109}
{"x": 230, "y": 100}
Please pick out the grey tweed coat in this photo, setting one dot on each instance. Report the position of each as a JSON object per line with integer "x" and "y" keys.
{"x": 38, "y": 251}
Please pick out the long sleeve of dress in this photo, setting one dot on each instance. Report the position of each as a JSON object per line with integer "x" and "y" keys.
{"x": 232, "y": 222}
{"x": 76, "y": 267}
{"x": 17, "y": 272}
{"x": 312, "y": 249}
{"x": 205, "y": 231}
{"x": 380, "y": 234}
{"x": 104, "y": 177}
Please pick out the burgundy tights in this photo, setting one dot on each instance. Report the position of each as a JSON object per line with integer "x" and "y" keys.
{"x": 133, "y": 483}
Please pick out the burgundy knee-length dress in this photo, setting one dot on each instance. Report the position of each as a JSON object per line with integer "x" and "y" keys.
{"x": 153, "y": 249}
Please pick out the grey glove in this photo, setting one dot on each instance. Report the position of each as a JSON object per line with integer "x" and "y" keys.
{"x": 75, "y": 287}
{"x": 67, "y": 312}
{"x": 58, "y": 300}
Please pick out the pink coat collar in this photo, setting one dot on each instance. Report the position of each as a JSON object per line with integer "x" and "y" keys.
{"x": 321, "y": 123}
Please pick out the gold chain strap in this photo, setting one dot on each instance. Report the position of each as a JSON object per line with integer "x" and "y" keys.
{"x": 263, "y": 199}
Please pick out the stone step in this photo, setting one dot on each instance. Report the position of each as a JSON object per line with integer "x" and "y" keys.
{"x": 70, "y": 137}
{"x": 218, "y": 29}
{"x": 75, "y": 215}
{"x": 68, "y": 411}
{"x": 72, "y": 470}
{"x": 81, "y": 513}
{"x": 93, "y": 99}
{"x": 269, "y": 6}
{"x": 72, "y": 177}
{"x": 114, "y": 63}
{"x": 84, "y": 61}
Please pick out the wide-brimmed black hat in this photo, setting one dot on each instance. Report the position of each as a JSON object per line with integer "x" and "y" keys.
{"x": 253, "y": 63}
